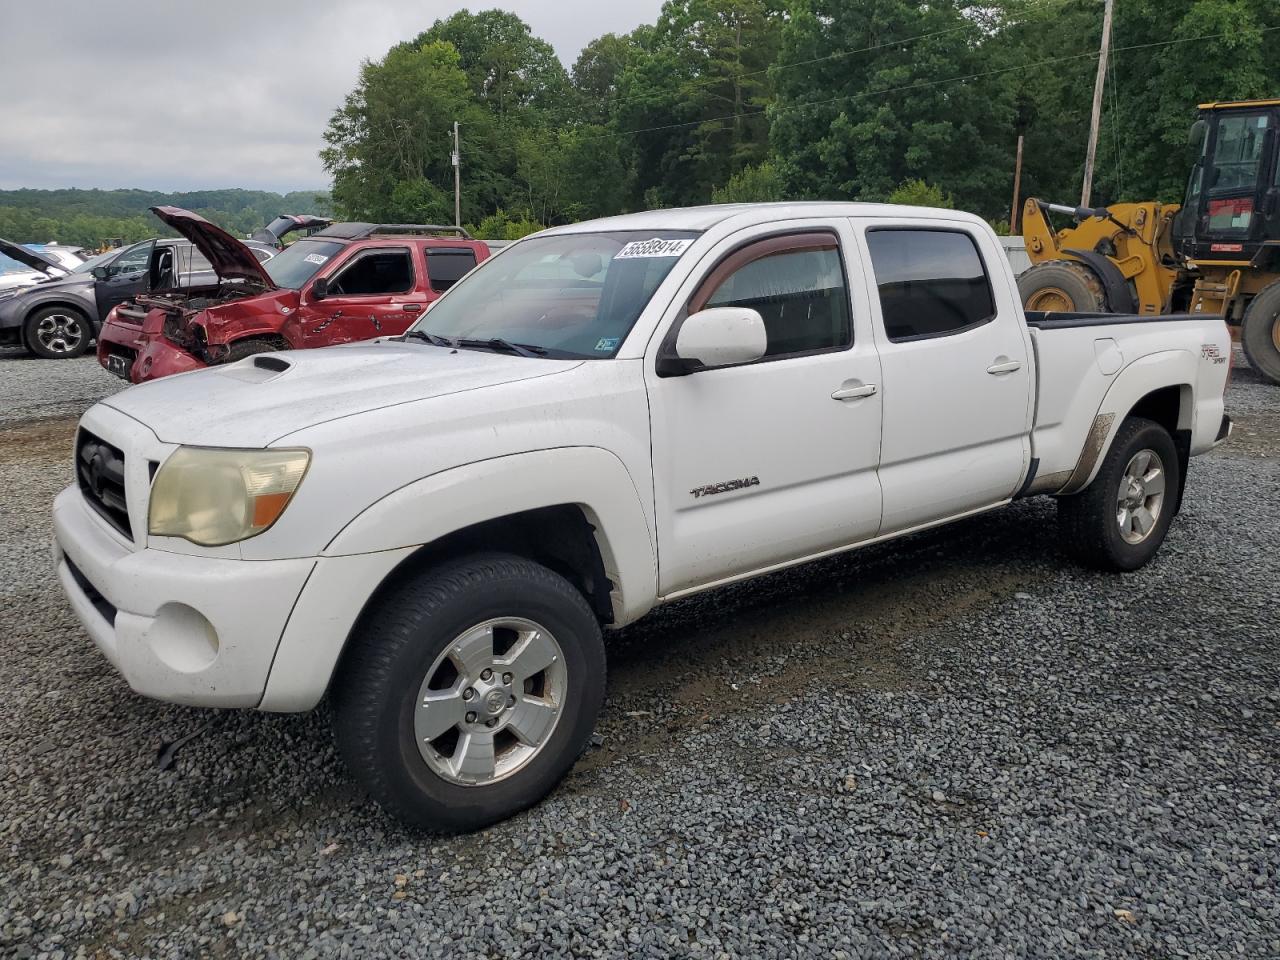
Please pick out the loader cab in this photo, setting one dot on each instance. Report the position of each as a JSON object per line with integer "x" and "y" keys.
{"x": 1232, "y": 209}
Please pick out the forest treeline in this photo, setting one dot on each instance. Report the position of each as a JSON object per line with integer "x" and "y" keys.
{"x": 725, "y": 100}
{"x": 87, "y": 218}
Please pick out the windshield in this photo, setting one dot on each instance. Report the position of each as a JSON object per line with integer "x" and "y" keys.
{"x": 297, "y": 264}
{"x": 573, "y": 295}
{"x": 97, "y": 261}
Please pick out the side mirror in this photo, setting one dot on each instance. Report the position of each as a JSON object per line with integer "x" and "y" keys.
{"x": 1195, "y": 137}
{"x": 320, "y": 289}
{"x": 718, "y": 337}
{"x": 99, "y": 273}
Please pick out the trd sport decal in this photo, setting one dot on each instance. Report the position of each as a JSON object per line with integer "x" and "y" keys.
{"x": 714, "y": 488}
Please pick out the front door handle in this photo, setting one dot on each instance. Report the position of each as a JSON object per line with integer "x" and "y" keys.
{"x": 411, "y": 307}
{"x": 854, "y": 390}
{"x": 1004, "y": 365}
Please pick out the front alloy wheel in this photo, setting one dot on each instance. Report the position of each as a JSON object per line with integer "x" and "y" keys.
{"x": 468, "y": 690}
{"x": 57, "y": 333}
{"x": 490, "y": 702}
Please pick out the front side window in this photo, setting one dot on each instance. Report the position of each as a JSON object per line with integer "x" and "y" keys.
{"x": 374, "y": 273}
{"x": 136, "y": 259}
{"x": 446, "y": 266}
{"x": 796, "y": 283}
{"x": 932, "y": 282}
{"x": 569, "y": 295}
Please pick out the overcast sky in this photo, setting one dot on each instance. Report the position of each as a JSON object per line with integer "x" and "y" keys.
{"x": 235, "y": 93}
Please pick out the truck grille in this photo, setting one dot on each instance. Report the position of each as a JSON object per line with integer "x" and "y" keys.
{"x": 100, "y": 476}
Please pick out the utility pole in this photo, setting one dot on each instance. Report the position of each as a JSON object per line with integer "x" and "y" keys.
{"x": 457, "y": 176}
{"x": 1017, "y": 191}
{"x": 1086, "y": 194}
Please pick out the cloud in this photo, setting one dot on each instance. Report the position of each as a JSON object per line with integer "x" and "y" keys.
{"x": 203, "y": 96}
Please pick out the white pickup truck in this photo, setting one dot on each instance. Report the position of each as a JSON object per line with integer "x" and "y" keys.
{"x": 434, "y": 529}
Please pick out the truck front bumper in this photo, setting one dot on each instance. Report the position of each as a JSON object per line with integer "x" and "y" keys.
{"x": 195, "y": 630}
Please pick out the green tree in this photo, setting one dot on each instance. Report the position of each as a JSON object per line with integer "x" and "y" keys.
{"x": 918, "y": 193}
{"x": 696, "y": 97}
{"x": 867, "y": 111}
{"x": 392, "y": 131}
{"x": 761, "y": 182}
{"x": 507, "y": 67}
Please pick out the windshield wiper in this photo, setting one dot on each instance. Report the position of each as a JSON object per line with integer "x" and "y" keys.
{"x": 497, "y": 343}
{"x": 430, "y": 338}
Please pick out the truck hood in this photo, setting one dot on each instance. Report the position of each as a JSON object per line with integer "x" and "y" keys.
{"x": 257, "y": 401}
{"x": 29, "y": 258}
{"x": 231, "y": 259}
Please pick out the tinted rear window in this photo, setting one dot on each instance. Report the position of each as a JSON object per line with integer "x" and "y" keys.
{"x": 932, "y": 282}
{"x": 446, "y": 267}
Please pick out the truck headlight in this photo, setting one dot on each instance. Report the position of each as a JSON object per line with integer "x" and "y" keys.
{"x": 218, "y": 496}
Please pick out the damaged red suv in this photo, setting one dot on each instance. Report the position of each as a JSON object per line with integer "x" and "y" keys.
{"x": 350, "y": 281}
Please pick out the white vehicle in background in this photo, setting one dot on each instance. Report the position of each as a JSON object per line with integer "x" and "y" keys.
{"x": 26, "y": 265}
{"x": 435, "y": 529}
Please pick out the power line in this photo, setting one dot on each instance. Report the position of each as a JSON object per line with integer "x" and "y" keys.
{"x": 920, "y": 85}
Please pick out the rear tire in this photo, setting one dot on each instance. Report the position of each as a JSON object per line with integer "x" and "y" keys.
{"x": 57, "y": 333}
{"x": 1119, "y": 521}
{"x": 1260, "y": 332}
{"x": 438, "y": 641}
{"x": 1062, "y": 286}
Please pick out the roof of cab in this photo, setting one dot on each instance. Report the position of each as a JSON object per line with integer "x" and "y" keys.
{"x": 747, "y": 214}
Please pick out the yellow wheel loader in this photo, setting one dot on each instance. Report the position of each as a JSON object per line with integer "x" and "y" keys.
{"x": 1219, "y": 252}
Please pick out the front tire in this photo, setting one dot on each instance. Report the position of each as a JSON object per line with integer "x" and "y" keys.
{"x": 468, "y": 691}
{"x": 1260, "y": 333}
{"x": 1119, "y": 521}
{"x": 57, "y": 333}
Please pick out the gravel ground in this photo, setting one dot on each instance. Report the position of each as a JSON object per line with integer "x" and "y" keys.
{"x": 957, "y": 745}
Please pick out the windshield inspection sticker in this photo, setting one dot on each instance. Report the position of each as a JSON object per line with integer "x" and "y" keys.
{"x": 607, "y": 344}
{"x": 317, "y": 258}
{"x": 657, "y": 247}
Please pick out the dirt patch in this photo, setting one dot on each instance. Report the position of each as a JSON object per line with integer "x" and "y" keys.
{"x": 38, "y": 438}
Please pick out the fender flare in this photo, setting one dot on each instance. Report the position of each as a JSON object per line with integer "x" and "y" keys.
{"x": 1156, "y": 371}
{"x": 592, "y": 478}
{"x": 1119, "y": 297}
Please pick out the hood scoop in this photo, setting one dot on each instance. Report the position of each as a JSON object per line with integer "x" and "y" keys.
{"x": 262, "y": 368}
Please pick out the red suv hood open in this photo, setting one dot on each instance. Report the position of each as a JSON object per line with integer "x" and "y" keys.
{"x": 231, "y": 259}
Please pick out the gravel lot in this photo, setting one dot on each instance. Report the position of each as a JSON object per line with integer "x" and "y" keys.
{"x": 957, "y": 745}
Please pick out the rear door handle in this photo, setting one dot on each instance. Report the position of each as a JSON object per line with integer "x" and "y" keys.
{"x": 1003, "y": 365}
{"x": 411, "y": 307}
{"x": 853, "y": 390}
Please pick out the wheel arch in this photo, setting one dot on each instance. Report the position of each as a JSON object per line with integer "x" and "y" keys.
{"x": 575, "y": 510}
{"x": 1158, "y": 387}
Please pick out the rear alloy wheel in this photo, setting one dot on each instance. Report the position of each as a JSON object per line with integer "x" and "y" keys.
{"x": 1260, "y": 333}
{"x": 1062, "y": 286}
{"x": 1119, "y": 521}
{"x": 57, "y": 333}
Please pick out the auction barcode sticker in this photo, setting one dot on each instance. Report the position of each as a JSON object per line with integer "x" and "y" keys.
{"x": 316, "y": 258}
{"x": 657, "y": 247}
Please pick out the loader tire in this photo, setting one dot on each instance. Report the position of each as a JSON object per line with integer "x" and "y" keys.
{"x": 1062, "y": 286}
{"x": 1260, "y": 332}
